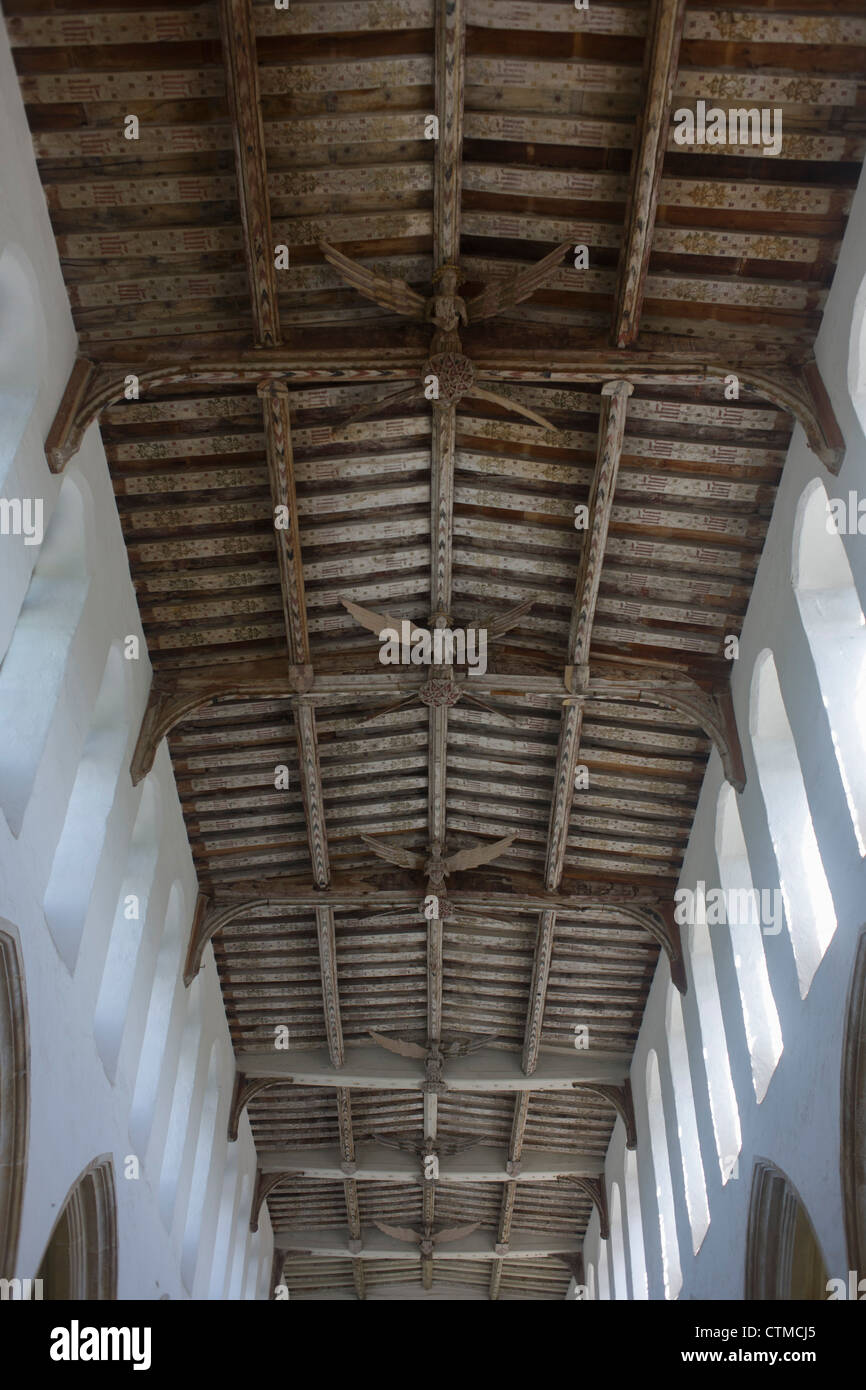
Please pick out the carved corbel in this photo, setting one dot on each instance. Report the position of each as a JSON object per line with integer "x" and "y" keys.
{"x": 74, "y": 414}
{"x": 356, "y": 1245}
{"x": 620, "y": 1097}
{"x": 265, "y": 1183}
{"x": 244, "y": 1089}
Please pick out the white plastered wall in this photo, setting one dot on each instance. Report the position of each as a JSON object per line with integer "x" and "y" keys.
{"x": 76, "y": 1112}
{"x": 797, "y": 1124}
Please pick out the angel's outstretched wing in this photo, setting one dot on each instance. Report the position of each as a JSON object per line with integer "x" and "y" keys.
{"x": 481, "y": 854}
{"x": 463, "y": 1049}
{"x": 387, "y": 1142}
{"x": 504, "y": 622}
{"x": 399, "y": 1232}
{"x": 378, "y": 622}
{"x": 406, "y": 858}
{"x": 390, "y": 294}
{"x": 454, "y": 1233}
{"x": 398, "y": 1045}
{"x": 481, "y": 394}
{"x": 446, "y": 1147}
{"x": 504, "y": 294}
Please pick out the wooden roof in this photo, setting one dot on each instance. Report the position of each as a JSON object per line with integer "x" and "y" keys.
{"x": 261, "y": 128}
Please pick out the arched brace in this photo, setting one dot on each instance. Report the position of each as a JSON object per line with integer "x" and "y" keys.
{"x": 662, "y": 925}
{"x": 574, "y": 1265}
{"x": 597, "y": 1193}
{"x": 169, "y": 702}
{"x": 244, "y": 1089}
{"x": 801, "y": 391}
{"x": 164, "y": 711}
{"x": 712, "y": 710}
{"x": 715, "y": 714}
{"x": 92, "y": 386}
{"x": 207, "y": 921}
{"x": 622, "y": 1100}
{"x": 265, "y": 1184}
{"x": 795, "y": 387}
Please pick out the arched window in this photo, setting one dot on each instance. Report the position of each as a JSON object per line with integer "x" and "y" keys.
{"x": 853, "y": 1145}
{"x": 714, "y": 1043}
{"x": 14, "y": 1111}
{"x": 80, "y": 1260}
{"x": 603, "y": 1274}
{"x": 166, "y": 984}
{"x": 115, "y": 991}
{"x": 201, "y": 1170}
{"x": 805, "y": 892}
{"x": 619, "y": 1278}
{"x": 857, "y": 355}
{"x": 743, "y": 911}
{"x": 22, "y": 350}
{"x": 783, "y": 1257}
{"x": 220, "y": 1264}
{"x": 184, "y": 1089}
{"x": 687, "y": 1124}
{"x": 76, "y": 859}
{"x": 241, "y": 1238}
{"x": 591, "y": 1282}
{"x": 34, "y": 666}
{"x": 834, "y": 625}
{"x": 671, "y": 1271}
{"x": 637, "y": 1256}
{"x": 251, "y": 1278}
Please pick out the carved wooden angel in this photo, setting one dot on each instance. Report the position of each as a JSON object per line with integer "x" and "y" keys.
{"x": 435, "y": 864}
{"x": 447, "y": 366}
{"x": 424, "y": 1241}
{"x": 444, "y": 307}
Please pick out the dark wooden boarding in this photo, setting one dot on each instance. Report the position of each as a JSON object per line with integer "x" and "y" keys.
{"x": 259, "y": 128}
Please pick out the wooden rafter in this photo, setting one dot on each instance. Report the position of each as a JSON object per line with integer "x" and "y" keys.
{"x": 168, "y": 255}
{"x": 481, "y": 1245}
{"x": 795, "y": 386}
{"x": 170, "y": 701}
{"x": 614, "y": 399}
{"x": 660, "y": 71}
{"x": 237, "y": 29}
{"x": 449, "y": 64}
{"x": 488, "y": 1071}
{"x": 483, "y": 1163}
{"x": 238, "y": 36}
{"x": 587, "y": 900}
{"x": 610, "y": 435}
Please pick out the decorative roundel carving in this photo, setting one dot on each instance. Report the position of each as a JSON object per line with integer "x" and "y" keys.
{"x": 454, "y": 372}
{"x": 439, "y": 692}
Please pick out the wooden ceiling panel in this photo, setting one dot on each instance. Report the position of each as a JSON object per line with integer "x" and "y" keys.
{"x": 598, "y": 510}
